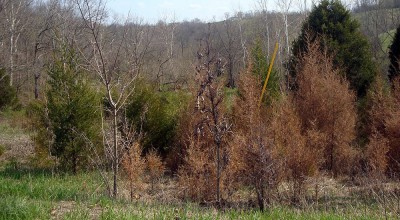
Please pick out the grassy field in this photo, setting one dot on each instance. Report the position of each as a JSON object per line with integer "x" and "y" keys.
{"x": 37, "y": 194}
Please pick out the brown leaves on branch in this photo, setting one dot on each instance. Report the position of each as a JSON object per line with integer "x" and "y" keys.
{"x": 327, "y": 105}
{"x": 253, "y": 156}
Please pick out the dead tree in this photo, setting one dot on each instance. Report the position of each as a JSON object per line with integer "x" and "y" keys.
{"x": 210, "y": 102}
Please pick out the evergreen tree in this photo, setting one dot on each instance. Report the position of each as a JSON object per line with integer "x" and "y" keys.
{"x": 340, "y": 34}
{"x": 394, "y": 56}
{"x": 8, "y": 94}
{"x": 70, "y": 117}
{"x": 259, "y": 67}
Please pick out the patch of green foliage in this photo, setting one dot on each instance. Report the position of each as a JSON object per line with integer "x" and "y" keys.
{"x": 2, "y": 150}
{"x": 8, "y": 94}
{"x": 69, "y": 120}
{"x": 259, "y": 67}
{"x": 156, "y": 115}
{"x": 229, "y": 98}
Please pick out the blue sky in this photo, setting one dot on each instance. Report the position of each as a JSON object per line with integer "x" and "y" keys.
{"x": 153, "y": 10}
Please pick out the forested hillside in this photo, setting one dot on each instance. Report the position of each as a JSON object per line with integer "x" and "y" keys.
{"x": 284, "y": 112}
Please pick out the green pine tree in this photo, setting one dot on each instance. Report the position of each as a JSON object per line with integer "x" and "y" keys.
{"x": 394, "y": 56}
{"x": 8, "y": 94}
{"x": 259, "y": 67}
{"x": 68, "y": 122}
{"x": 332, "y": 24}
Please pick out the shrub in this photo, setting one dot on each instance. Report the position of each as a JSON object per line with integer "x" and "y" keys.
{"x": 197, "y": 175}
{"x": 155, "y": 167}
{"x": 134, "y": 166}
{"x": 68, "y": 121}
{"x": 253, "y": 156}
{"x": 162, "y": 111}
{"x": 393, "y": 131}
{"x": 299, "y": 160}
{"x": 376, "y": 155}
{"x": 2, "y": 150}
{"x": 8, "y": 94}
{"x": 326, "y": 104}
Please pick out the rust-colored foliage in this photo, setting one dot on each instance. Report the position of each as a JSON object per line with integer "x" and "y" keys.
{"x": 393, "y": 132}
{"x": 134, "y": 166}
{"x": 197, "y": 176}
{"x": 300, "y": 160}
{"x": 207, "y": 157}
{"x": 325, "y": 104}
{"x": 154, "y": 167}
{"x": 376, "y": 154}
{"x": 253, "y": 160}
{"x": 379, "y": 108}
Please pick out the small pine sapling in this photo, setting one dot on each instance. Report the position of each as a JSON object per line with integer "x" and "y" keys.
{"x": 155, "y": 168}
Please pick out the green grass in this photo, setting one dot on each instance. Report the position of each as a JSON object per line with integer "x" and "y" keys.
{"x": 36, "y": 194}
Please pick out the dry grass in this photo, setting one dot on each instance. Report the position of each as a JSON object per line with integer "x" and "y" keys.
{"x": 14, "y": 139}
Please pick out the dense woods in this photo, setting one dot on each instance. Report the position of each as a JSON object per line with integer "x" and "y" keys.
{"x": 139, "y": 103}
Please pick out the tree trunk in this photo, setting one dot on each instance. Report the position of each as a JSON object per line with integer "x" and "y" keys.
{"x": 74, "y": 163}
{"x": 218, "y": 175}
{"x": 231, "y": 83}
{"x": 37, "y": 76}
{"x": 115, "y": 161}
{"x": 260, "y": 198}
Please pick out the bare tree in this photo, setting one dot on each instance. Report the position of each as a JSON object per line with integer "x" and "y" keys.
{"x": 230, "y": 47}
{"x": 165, "y": 51}
{"x": 263, "y": 7}
{"x": 285, "y": 6}
{"x": 46, "y": 23}
{"x": 15, "y": 23}
{"x": 110, "y": 58}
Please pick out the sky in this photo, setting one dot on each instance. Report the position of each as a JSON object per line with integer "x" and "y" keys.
{"x": 178, "y": 10}
{"x": 152, "y": 11}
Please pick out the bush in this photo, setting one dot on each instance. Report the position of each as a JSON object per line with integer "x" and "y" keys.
{"x": 161, "y": 113}
{"x": 67, "y": 124}
{"x": 376, "y": 155}
{"x": 326, "y": 105}
{"x": 393, "y": 132}
{"x": 2, "y": 150}
{"x": 300, "y": 160}
{"x": 254, "y": 158}
{"x": 134, "y": 166}
{"x": 155, "y": 168}
{"x": 8, "y": 94}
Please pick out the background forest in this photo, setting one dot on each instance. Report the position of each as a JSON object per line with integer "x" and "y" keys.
{"x": 117, "y": 118}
